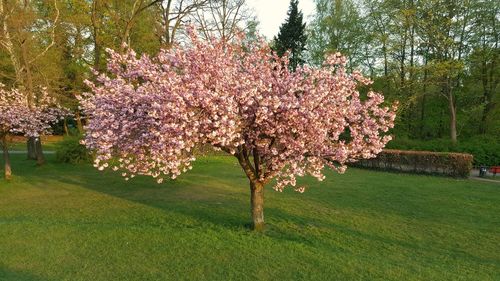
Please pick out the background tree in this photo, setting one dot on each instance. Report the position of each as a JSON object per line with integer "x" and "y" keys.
{"x": 223, "y": 19}
{"x": 174, "y": 15}
{"x": 28, "y": 36}
{"x": 292, "y": 36}
{"x": 438, "y": 57}
{"x": 19, "y": 115}
{"x": 336, "y": 27}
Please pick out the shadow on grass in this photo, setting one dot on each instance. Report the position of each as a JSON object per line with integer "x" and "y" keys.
{"x": 203, "y": 198}
{"x": 7, "y": 274}
{"x": 218, "y": 197}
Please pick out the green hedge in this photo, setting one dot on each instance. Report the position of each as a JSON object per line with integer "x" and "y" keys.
{"x": 485, "y": 149}
{"x": 421, "y": 162}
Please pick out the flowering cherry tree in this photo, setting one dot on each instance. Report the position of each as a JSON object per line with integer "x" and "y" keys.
{"x": 150, "y": 113}
{"x": 20, "y": 116}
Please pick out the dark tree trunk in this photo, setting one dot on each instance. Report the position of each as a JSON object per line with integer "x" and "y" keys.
{"x": 386, "y": 67}
{"x": 257, "y": 205}
{"x": 6, "y": 158}
{"x": 31, "y": 148}
{"x": 40, "y": 159}
{"x": 35, "y": 151}
{"x": 422, "y": 114}
{"x": 453, "y": 119}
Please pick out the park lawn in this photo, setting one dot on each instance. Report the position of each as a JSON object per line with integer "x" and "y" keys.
{"x": 67, "y": 222}
{"x": 49, "y": 143}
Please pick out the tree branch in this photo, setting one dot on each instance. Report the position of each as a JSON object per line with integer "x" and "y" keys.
{"x": 53, "y": 35}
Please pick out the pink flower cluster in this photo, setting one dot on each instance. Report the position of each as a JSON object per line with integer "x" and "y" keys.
{"x": 151, "y": 112}
{"x": 18, "y": 116}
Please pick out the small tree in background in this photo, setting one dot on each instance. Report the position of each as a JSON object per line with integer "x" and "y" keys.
{"x": 150, "y": 113}
{"x": 18, "y": 117}
{"x": 292, "y": 36}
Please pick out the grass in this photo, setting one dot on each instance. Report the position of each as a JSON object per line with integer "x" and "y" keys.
{"x": 48, "y": 142}
{"x": 66, "y": 222}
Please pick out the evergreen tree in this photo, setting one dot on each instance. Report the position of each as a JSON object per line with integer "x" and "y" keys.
{"x": 292, "y": 36}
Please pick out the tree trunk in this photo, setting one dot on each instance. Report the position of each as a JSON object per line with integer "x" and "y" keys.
{"x": 386, "y": 67}
{"x": 79, "y": 124}
{"x": 424, "y": 90}
{"x": 65, "y": 126}
{"x": 6, "y": 158}
{"x": 35, "y": 151}
{"x": 40, "y": 159}
{"x": 422, "y": 114}
{"x": 31, "y": 148}
{"x": 257, "y": 205}
{"x": 453, "y": 120}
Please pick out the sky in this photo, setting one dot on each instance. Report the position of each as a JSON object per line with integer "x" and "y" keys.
{"x": 272, "y": 13}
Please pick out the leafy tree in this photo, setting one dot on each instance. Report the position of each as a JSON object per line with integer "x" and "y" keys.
{"x": 292, "y": 36}
{"x": 150, "y": 113}
{"x": 337, "y": 27}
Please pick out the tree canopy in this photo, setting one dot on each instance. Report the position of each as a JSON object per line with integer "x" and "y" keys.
{"x": 292, "y": 36}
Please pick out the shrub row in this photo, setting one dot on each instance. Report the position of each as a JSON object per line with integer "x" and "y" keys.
{"x": 421, "y": 162}
{"x": 485, "y": 149}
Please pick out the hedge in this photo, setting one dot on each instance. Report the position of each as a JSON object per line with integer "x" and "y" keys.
{"x": 421, "y": 162}
{"x": 484, "y": 148}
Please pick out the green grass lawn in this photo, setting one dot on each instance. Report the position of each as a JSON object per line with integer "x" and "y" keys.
{"x": 66, "y": 222}
{"x": 21, "y": 146}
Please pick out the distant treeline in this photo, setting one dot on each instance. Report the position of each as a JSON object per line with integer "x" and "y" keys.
{"x": 439, "y": 58}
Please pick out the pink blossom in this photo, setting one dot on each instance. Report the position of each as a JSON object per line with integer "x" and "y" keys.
{"x": 150, "y": 112}
{"x": 19, "y": 116}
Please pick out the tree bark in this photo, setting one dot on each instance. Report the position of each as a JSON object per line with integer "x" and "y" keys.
{"x": 40, "y": 159}
{"x": 65, "y": 126}
{"x": 31, "y": 148}
{"x": 453, "y": 119}
{"x": 35, "y": 151}
{"x": 6, "y": 158}
{"x": 79, "y": 123}
{"x": 257, "y": 205}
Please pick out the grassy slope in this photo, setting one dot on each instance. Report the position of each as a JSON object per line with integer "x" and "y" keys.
{"x": 64, "y": 222}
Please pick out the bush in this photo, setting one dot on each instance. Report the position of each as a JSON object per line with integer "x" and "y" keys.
{"x": 421, "y": 162}
{"x": 69, "y": 150}
{"x": 485, "y": 149}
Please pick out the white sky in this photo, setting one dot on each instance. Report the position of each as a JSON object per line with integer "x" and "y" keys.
{"x": 272, "y": 13}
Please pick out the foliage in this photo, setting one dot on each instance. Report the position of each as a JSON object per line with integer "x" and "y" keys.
{"x": 440, "y": 59}
{"x": 425, "y": 162}
{"x": 292, "y": 36}
{"x": 337, "y": 26}
{"x": 486, "y": 150}
{"x": 70, "y": 150}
